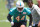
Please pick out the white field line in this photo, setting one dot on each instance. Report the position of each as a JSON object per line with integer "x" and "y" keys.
{"x": 4, "y": 21}
{"x": 8, "y": 21}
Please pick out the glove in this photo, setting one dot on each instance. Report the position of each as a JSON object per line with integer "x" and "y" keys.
{"x": 12, "y": 23}
{"x": 30, "y": 26}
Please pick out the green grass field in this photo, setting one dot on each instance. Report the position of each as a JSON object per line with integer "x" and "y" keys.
{"x": 3, "y": 14}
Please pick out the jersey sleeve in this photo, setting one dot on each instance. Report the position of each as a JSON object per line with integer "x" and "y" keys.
{"x": 37, "y": 9}
{"x": 28, "y": 11}
{"x": 11, "y": 12}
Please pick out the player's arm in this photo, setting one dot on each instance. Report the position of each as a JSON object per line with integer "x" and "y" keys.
{"x": 30, "y": 15}
{"x": 37, "y": 9}
{"x": 9, "y": 17}
{"x": 30, "y": 22}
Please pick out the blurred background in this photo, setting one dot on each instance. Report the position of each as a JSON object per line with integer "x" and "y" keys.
{"x": 4, "y": 12}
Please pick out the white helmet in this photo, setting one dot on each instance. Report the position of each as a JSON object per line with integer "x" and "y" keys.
{"x": 19, "y": 4}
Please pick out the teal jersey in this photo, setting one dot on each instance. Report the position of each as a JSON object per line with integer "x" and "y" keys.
{"x": 19, "y": 16}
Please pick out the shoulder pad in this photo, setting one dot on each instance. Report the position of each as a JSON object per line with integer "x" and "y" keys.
{"x": 12, "y": 9}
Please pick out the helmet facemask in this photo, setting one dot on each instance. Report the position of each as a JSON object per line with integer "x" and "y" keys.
{"x": 20, "y": 6}
{"x": 20, "y": 9}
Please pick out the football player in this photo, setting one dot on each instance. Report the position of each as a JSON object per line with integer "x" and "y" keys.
{"x": 9, "y": 4}
{"x": 19, "y": 15}
{"x": 35, "y": 11}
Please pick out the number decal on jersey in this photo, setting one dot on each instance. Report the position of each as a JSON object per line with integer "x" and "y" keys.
{"x": 18, "y": 18}
{"x": 23, "y": 18}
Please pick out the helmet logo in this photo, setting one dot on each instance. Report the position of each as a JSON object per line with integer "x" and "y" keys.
{"x": 20, "y": 3}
